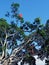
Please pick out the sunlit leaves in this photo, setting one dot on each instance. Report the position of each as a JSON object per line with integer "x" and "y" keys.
{"x": 43, "y": 33}
{"x": 3, "y": 23}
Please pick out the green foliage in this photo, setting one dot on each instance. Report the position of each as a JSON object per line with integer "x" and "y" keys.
{"x": 20, "y": 30}
{"x": 47, "y": 45}
{"x": 20, "y": 18}
{"x": 3, "y": 23}
{"x": 13, "y": 25}
{"x": 41, "y": 25}
{"x": 47, "y": 24}
{"x": 37, "y": 20}
{"x": 15, "y": 5}
{"x": 15, "y": 13}
{"x": 43, "y": 33}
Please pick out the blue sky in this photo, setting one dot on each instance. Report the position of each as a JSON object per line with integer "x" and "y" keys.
{"x": 30, "y": 9}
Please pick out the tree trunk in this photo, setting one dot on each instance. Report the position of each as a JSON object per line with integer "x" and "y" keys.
{"x": 2, "y": 55}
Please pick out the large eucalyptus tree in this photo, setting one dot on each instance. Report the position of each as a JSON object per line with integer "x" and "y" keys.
{"x": 29, "y": 36}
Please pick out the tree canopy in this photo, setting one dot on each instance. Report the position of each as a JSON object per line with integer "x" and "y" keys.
{"x": 15, "y": 31}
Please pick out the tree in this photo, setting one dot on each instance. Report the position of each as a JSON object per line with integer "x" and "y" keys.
{"x": 10, "y": 33}
{"x": 16, "y": 31}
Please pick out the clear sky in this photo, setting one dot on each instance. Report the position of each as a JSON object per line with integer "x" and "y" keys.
{"x": 30, "y": 9}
